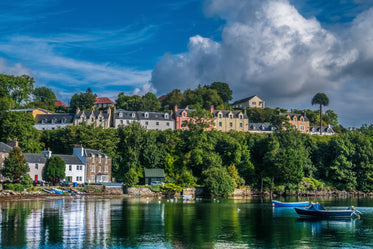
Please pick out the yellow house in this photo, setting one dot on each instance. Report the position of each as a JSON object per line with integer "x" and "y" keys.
{"x": 230, "y": 120}
{"x": 250, "y": 102}
{"x": 299, "y": 121}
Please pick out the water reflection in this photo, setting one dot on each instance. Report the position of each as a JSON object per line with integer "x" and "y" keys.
{"x": 148, "y": 223}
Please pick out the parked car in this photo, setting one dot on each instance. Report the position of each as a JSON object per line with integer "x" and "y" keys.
{"x": 38, "y": 183}
{"x": 153, "y": 183}
{"x": 65, "y": 183}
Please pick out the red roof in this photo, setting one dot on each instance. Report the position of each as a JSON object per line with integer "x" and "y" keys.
{"x": 103, "y": 100}
{"x": 59, "y": 103}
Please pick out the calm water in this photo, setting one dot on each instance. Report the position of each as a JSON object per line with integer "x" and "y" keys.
{"x": 147, "y": 223}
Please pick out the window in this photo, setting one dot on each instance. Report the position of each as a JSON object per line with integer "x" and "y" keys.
{"x": 2, "y": 165}
{"x": 133, "y": 115}
{"x": 70, "y": 167}
{"x": 100, "y": 119}
{"x": 121, "y": 122}
{"x": 219, "y": 115}
{"x": 105, "y": 159}
{"x": 240, "y": 116}
{"x": 156, "y": 123}
{"x": 99, "y": 158}
{"x": 230, "y": 124}
{"x": 230, "y": 116}
{"x": 253, "y": 103}
{"x": 241, "y": 125}
{"x": 146, "y": 115}
{"x": 106, "y": 169}
{"x": 220, "y": 124}
{"x": 295, "y": 119}
{"x": 121, "y": 114}
{"x": 36, "y": 166}
{"x": 302, "y": 127}
{"x": 146, "y": 123}
{"x": 128, "y": 121}
{"x": 168, "y": 123}
{"x": 166, "y": 116}
{"x": 93, "y": 169}
{"x": 92, "y": 120}
{"x": 2, "y": 155}
{"x": 99, "y": 169}
{"x": 184, "y": 115}
{"x": 43, "y": 121}
{"x": 93, "y": 178}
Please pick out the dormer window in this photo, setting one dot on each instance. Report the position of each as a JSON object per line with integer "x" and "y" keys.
{"x": 295, "y": 119}
{"x": 301, "y": 120}
{"x": 133, "y": 115}
{"x": 121, "y": 114}
{"x": 43, "y": 121}
{"x": 230, "y": 116}
{"x": 184, "y": 115}
{"x": 240, "y": 116}
{"x": 219, "y": 115}
{"x": 166, "y": 115}
{"x": 146, "y": 115}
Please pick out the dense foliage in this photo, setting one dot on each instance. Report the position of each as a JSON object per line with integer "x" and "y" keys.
{"x": 261, "y": 161}
{"x": 15, "y": 166}
{"x": 54, "y": 170}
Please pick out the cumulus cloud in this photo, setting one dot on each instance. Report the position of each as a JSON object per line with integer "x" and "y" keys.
{"x": 268, "y": 48}
{"x": 17, "y": 69}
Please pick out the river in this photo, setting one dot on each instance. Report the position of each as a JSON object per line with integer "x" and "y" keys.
{"x": 98, "y": 222}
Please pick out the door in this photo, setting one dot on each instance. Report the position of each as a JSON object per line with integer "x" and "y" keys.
{"x": 36, "y": 178}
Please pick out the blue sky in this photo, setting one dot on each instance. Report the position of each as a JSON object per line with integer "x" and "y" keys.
{"x": 285, "y": 51}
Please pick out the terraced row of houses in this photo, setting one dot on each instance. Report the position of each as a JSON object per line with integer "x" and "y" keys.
{"x": 83, "y": 166}
{"x": 223, "y": 120}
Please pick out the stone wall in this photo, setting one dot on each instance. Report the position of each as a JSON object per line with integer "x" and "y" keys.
{"x": 141, "y": 192}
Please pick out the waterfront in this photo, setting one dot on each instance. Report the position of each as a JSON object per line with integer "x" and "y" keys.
{"x": 99, "y": 222}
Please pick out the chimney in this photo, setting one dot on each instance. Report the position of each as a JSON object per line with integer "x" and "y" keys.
{"x": 175, "y": 108}
{"x": 77, "y": 110}
{"x": 13, "y": 142}
{"x": 212, "y": 108}
{"x": 244, "y": 110}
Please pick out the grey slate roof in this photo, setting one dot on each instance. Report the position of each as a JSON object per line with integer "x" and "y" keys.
{"x": 236, "y": 114}
{"x": 125, "y": 114}
{"x": 90, "y": 152}
{"x": 69, "y": 159}
{"x": 298, "y": 116}
{"x": 243, "y": 100}
{"x": 325, "y": 129}
{"x": 154, "y": 116}
{"x": 154, "y": 173}
{"x": 35, "y": 158}
{"x": 5, "y": 148}
{"x": 179, "y": 111}
{"x": 261, "y": 127}
{"x": 68, "y": 118}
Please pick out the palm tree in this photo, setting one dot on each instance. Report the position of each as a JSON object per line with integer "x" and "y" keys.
{"x": 322, "y": 100}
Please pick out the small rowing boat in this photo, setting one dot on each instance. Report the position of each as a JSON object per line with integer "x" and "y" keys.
{"x": 290, "y": 204}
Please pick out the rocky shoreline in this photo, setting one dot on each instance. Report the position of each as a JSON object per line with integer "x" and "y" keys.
{"x": 101, "y": 190}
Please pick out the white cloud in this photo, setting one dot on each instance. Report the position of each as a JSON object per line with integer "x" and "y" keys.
{"x": 268, "y": 48}
{"x": 17, "y": 69}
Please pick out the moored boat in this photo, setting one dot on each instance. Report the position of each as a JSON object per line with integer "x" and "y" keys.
{"x": 56, "y": 191}
{"x": 316, "y": 210}
{"x": 290, "y": 204}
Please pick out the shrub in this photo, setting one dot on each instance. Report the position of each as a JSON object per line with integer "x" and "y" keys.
{"x": 15, "y": 187}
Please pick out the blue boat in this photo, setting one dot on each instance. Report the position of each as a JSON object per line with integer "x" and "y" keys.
{"x": 290, "y": 204}
{"x": 315, "y": 210}
{"x": 56, "y": 191}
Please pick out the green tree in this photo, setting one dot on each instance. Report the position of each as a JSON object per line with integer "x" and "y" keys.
{"x": 174, "y": 98}
{"x": 43, "y": 98}
{"x": 15, "y": 166}
{"x": 131, "y": 178}
{"x": 15, "y": 90}
{"x": 83, "y": 101}
{"x": 322, "y": 100}
{"x": 218, "y": 181}
{"x": 151, "y": 102}
{"x": 233, "y": 172}
{"x": 54, "y": 170}
{"x": 186, "y": 179}
{"x": 19, "y": 125}
{"x": 223, "y": 90}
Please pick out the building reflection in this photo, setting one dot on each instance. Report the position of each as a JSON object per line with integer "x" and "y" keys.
{"x": 97, "y": 222}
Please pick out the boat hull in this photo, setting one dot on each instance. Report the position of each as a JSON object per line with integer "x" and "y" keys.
{"x": 290, "y": 204}
{"x": 324, "y": 213}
